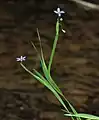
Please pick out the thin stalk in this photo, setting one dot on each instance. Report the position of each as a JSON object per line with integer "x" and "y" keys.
{"x": 54, "y": 46}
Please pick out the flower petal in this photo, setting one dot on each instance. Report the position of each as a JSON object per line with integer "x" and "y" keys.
{"x": 55, "y": 12}
{"x": 58, "y": 10}
{"x": 62, "y": 12}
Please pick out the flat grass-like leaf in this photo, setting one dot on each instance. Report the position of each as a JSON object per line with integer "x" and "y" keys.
{"x": 44, "y": 67}
{"x": 54, "y": 45}
{"x": 48, "y": 77}
{"x": 39, "y": 77}
{"x": 82, "y": 115}
{"x": 72, "y": 108}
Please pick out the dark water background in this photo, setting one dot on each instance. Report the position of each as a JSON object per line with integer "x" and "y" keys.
{"x": 75, "y": 66}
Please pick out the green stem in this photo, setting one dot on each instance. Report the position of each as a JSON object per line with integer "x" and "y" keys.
{"x": 54, "y": 46}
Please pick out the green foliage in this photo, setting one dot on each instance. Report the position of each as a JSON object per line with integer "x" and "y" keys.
{"x": 47, "y": 80}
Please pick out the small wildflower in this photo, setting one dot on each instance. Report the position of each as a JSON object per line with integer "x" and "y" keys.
{"x": 59, "y": 12}
{"x": 21, "y": 58}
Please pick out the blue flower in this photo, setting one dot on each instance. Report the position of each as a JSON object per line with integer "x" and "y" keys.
{"x": 20, "y": 59}
{"x": 59, "y": 12}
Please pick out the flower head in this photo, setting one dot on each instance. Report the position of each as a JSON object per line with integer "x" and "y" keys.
{"x": 20, "y": 59}
{"x": 59, "y": 12}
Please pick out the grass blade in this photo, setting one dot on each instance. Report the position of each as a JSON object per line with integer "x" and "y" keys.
{"x": 39, "y": 77}
{"x": 54, "y": 46}
{"x": 48, "y": 77}
{"x": 72, "y": 108}
{"x": 82, "y": 115}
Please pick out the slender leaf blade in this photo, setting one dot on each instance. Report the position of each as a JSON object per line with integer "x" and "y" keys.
{"x": 82, "y": 115}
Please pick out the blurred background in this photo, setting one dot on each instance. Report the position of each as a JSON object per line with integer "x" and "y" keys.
{"x": 76, "y": 63}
